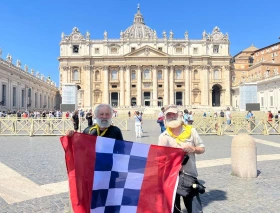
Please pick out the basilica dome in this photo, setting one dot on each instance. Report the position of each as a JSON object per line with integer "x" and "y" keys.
{"x": 139, "y": 30}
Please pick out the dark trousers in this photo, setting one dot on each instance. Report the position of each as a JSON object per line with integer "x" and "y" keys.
{"x": 187, "y": 201}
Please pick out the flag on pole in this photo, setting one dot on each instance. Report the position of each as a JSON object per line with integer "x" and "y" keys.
{"x": 108, "y": 175}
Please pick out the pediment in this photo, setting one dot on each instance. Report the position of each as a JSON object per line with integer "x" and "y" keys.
{"x": 147, "y": 51}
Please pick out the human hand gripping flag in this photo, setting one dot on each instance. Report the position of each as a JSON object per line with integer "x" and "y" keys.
{"x": 108, "y": 175}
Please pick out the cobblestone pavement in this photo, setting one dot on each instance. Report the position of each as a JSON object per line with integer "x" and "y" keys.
{"x": 39, "y": 161}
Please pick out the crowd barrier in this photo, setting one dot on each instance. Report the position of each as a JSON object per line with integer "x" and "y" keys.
{"x": 204, "y": 125}
{"x": 49, "y": 126}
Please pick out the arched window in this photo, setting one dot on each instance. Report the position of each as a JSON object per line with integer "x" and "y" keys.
{"x": 159, "y": 75}
{"x": 195, "y": 74}
{"x": 147, "y": 74}
{"x": 216, "y": 74}
{"x": 114, "y": 75}
{"x": 133, "y": 75}
{"x": 178, "y": 74}
{"x": 97, "y": 76}
{"x": 76, "y": 75}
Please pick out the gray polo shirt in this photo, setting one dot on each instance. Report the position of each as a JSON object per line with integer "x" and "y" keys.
{"x": 194, "y": 140}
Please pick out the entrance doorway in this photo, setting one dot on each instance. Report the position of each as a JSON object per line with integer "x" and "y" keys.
{"x": 133, "y": 101}
{"x": 160, "y": 101}
{"x": 147, "y": 98}
{"x": 114, "y": 99}
{"x": 216, "y": 95}
{"x": 179, "y": 98}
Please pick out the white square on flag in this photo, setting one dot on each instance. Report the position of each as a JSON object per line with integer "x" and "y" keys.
{"x": 105, "y": 145}
{"x": 139, "y": 150}
{"x": 134, "y": 181}
{"x": 120, "y": 163}
{"x": 114, "y": 197}
{"x": 101, "y": 179}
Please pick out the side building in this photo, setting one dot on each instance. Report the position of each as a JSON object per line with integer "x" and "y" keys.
{"x": 259, "y": 68}
{"x": 23, "y": 90}
{"x": 141, "y": 69}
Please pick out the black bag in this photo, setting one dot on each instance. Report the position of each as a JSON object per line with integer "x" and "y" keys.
{"x": 188, "y": 185}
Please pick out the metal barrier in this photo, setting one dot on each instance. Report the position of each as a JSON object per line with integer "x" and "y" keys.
{"x": 51, "y": 126}
{"x": 204, "y": 125}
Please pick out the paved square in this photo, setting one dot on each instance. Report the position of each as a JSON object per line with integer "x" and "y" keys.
{"x": 33, "y": 174}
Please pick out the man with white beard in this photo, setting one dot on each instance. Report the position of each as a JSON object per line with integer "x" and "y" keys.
{"x": 103, "y": 127}
{"x": 185, "y": 137}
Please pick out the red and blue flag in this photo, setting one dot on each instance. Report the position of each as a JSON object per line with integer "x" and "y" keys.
{"x": 108, "y": 175}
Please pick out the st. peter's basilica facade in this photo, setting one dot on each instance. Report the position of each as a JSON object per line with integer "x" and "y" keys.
{"x": 143, "y": 69}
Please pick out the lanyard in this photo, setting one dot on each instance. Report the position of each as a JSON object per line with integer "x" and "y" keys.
{"x": 98, "y": 130}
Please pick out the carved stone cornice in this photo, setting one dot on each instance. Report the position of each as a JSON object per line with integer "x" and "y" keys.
{"x": 65, "y": 67}
{"x": 227, "y": 67}
{"x": 87, "y": 67}
{"x": 205, "y": 67}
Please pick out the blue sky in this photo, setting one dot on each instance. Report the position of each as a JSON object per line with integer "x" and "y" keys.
{"x": 31, "y": 29}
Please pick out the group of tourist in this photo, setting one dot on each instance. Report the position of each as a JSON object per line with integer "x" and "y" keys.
{"x": 174, "y": 133}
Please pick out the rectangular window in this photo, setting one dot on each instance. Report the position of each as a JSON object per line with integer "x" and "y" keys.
{"x": 179, "y": 85}
{"x": 133, "y": 86}
{"x": 75, "y": 48}
{"x": 114, "y": 50}
{"x": 22, "y": 97}
{"x": 132, "y": 49}
{"x": 216, "y": 49}
{"x": 4, "y": 90}
{"x": 159, "y": 75}
{"x": 195, "y": 50}
{"x": 14, "y": 96}
{"x": 160, "y": 48}
{"x": 271, "y": 100}
{"x": 261, "y": 101}
{"x": 96, "y": 50}
{"x": 114, "y": 86}
{"x": 179, "y": 50}
{"x": 160, "y": 85}
{"x": 133, "y": 75}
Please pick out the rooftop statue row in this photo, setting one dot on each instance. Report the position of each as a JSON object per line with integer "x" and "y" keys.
{"x": 139, "y": 30}
{"x": 9, "y": 60}
{"x": 132, "y": 33}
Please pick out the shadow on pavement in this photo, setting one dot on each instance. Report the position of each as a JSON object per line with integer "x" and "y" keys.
{"x": 211, "y": 196}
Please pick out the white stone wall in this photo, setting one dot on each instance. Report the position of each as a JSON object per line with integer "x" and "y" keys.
{"x": 13, "y": 76}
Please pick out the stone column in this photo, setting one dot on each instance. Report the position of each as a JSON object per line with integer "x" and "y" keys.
{"x": 121, "y": 103}
{"x": 139, "y": 86}
{"x": 155, "y": 85}
{"x": 171, "y": 85}
{"x": 187, "y": 85}
{"x": 105, "y": 85}
{"x": 88, "y": 88}
{"x": 226, "y": 81}
{"x": 210, "y": 97}
{"x": 165, "y": 98}
{"x": 205, "y": 86}
{"x": 127, "y": 92}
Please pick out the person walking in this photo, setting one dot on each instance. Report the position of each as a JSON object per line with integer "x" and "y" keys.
{"x": 160, "y": 120}
{"x": 75, "y": 120}
{"x": 228, "y": 116}
{"x": 185, "y": 137}
{"x": 89, "y": 117}
{"x": 138, "y": 124}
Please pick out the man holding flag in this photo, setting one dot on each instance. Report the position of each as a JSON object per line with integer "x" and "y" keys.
{"x": 111, "y": 175}
{"x": 182, "y": 136}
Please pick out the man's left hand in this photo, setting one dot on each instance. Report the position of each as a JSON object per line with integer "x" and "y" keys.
{"x": 189, "y": 149}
